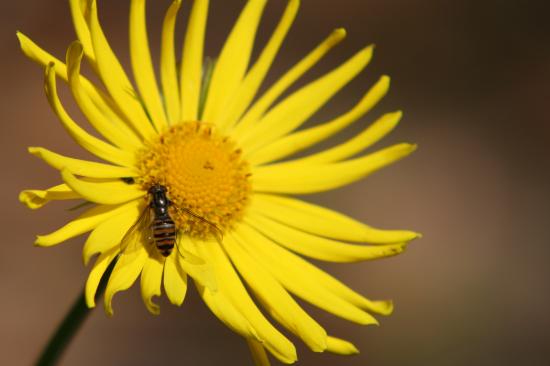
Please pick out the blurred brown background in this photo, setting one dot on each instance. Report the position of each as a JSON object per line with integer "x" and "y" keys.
{"x": 473, "y": 80}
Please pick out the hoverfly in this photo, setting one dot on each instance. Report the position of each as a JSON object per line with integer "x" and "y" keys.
{"x": 155, "y": 225}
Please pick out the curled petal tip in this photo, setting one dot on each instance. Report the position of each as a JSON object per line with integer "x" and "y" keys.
{"x": 385, "y": 80}
{"x": 33, "y": 199}
{"x": 21, "y": 38}
{"x": 109, "y": 310}
{"x": 412, "y": 147}
{"x": 154, "y": 309}
{"x": 75, "y": 49}
{"x": 338, "y": 34}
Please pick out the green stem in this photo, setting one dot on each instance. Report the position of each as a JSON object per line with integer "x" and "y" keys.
{"x": 70, "y": 325}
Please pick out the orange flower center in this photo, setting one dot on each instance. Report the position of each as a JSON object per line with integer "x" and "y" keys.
{"x": 206, "y": 178}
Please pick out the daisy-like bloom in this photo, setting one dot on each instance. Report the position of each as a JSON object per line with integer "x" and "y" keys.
{"x": 218, "y": 148}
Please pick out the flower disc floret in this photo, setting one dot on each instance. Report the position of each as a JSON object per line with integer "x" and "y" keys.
{"x": 203, "y": 172}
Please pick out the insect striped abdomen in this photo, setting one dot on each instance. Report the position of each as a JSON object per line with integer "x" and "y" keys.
{"x": 164, "y": 235}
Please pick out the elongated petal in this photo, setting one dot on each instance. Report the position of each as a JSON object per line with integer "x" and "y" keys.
{"x": 298, "y": 107}
{"x": 168, "y": 71}
{"x": 100, "y": 266}
{"x": 151, "y": 278}
{"x": 109, "y": 233}
{"x": 43, "y": 58}
{"x": 218, "y": 301}
{"x": 107, "y": 193}
{"x": 122, "y": 138}
{"x": 259, "y": 356}
{"x": 299, "y": 178}
{"x": 94, "y": 145}
{"x": 192, "y": 58}
{"x": 226, "y": 312}
{"x": 35, "y": 198}
{"x": 81, "y": 28}
{"x": 300, "y": 140}
{"x": 357, "y": 144}
{"x": 232, "y": 287}
{"x": 175, "y": 281}
{"x": 144, "y": 74}
{"x": 280, "y": 305}
{"x": 113, "y": 76}
{"x": 102, "y": 101}
{"x": 341, "y": 346}
{"x": 83, "y": 168}
{"x": 89, "y": 220}
{"x": 318, "y": 247}
{"x": 199, "y": 268}
{"x": 254, "y": 78}
{"x": 124, "y": 275}
{"x": 269, "y": 255}
{"x": 318, "y": 280}
{"x": 322, "y": 221}
{"x": 258, "y": 109}
{"x": 233, "y": 61}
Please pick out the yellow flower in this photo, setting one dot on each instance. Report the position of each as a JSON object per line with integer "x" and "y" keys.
{"x": 217, "y": 148}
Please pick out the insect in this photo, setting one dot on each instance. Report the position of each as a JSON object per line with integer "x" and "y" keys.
{"x": 155, "y": 225}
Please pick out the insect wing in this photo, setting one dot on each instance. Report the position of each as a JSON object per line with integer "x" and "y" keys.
{"x": 138, "y": 234}
{"x": 216, "y": 231}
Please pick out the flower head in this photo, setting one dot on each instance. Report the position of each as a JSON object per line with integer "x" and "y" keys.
{"x": 217, "y": 150}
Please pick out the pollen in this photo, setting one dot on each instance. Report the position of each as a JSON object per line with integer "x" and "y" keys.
{"x": 207, "y": 180}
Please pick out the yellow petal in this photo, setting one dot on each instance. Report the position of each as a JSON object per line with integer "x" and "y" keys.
{"x": 318, "y": 247}
{"x": 192, "y": 59}
{"x": 198, "y": 268}
{"x": 302, "y": 139}
{"x": 299, "y": 178}
{"x": 144, "y": 74}
{"x": 341, "y": 346}
{"x": 81, "y": 28}
{"x": 83, "y": 168}
{"x": 123, "y": 138}
{"x": 259, "y": 356}
{"x": 151, "y": 278}
{"x": 175, "y": 281}
{"x": 110, "y": 232}
{"x": 299, "y": 106}
{"x": 274, "y": 298}
{"x": 254, "y": 114}
{"x": 107, "y": 193}
{"x": 38, "y": 55}
{"x": 89, "y": 220}
{"x": 124, "y": 275}
{"x": 231, "y": 286}
{"x": 218, "y": 302}
{"x": 317, "y": 280}
{"x": 358, "y": 143}
{"x": 322, "y": 221}
{"x": 254, "y": 78}
{"x": 226, "y": 312}
{"x": 168, "y": 73}
{"x": 94, "y": 145}
{"x": 269, "y": 255}
{"x": 113, "y": 76}
{"x": 233, "y": 61}
{"x": 100, "y": 266}
{"x": 102, "y": 101}
{"x": 35, "y": 199}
